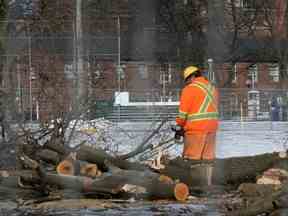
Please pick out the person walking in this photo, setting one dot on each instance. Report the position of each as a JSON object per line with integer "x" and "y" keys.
{"x": 198, "y": 117}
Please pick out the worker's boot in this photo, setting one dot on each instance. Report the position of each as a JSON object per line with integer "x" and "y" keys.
{"x": 208, "y": 172}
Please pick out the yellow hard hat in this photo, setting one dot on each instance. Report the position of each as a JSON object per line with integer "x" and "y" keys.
{"x": 189, "y": 70}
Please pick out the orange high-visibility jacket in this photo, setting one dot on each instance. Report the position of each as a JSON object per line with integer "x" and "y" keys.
{"x": 198, "y": 109}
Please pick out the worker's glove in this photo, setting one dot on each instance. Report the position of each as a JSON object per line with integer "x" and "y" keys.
{"x": 179, "y": 132}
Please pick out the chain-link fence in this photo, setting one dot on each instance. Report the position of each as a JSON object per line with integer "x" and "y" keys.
{"x": 34, "y": 103}
{"x": 257, "y": 104}
{"x": 235, "y": 104}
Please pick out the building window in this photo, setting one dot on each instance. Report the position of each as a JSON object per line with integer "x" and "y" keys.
{"x": 273, "y": 69}
{"x": 143, "y": 71}
{"x": 165, "y": 74}
{"x": 248, "y": 4}
{"x": 253, "y": 73}
{"x": 234, "y": 72}
{"x": 185, "y": 2}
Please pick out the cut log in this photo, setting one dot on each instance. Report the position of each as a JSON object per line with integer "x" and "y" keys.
{"x": 99, "y": 157}
{"x": 68, "y": 167}
{"x": 57, "y": 146}
{"x": 76, "y": 167}
{"x": 112, "y": 183}
{"x": 96, "y": 156}
{"x": 156, "y": 186}
{"x": 11, "y": 179}
{"x": 166, "y": 179}
{"x": 181, "y": 191}
{"x": 257, "y": 190}
{"x": 89, "y": 170}
{"x": 280, "y": 212}
{"x": 48, "y": 156}
{"x": 86, "y": 185}
{"x": 266, "y": 204}
{"x": 232, "y": 171}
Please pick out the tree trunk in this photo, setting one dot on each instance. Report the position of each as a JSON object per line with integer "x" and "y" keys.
{"x": 48, "y": 156}
{"x": 233, "y": 171}
{"x": 114, "y": 183}
{"x": 251, "y": 190}
{"x": 96, "y": 156}
{"x": 266, "y": 204}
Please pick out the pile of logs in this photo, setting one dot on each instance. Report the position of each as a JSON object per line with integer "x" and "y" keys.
{"x": 87, "y": 171}
{"x": 93, "y": 172}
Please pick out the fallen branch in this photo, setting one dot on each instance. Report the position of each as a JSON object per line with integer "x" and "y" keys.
{"x": 141, "y": 148}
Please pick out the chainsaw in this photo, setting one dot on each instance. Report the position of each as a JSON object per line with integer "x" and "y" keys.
{"x": 179, "y": 132}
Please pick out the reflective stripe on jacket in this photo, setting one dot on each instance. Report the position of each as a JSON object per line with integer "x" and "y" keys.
{"x": 198, "y": 106}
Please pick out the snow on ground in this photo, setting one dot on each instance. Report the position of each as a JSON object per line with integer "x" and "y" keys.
{"x": 233, "y": 138}
{"x": 251, "y": 138}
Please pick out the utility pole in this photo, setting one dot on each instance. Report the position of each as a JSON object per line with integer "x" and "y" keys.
{"x": 119, "y": 54}
{"x": 119, "y": 69}
{"x": 19, "y": 86}
{"x": 79, "y": 52}
{"x": 30, "y": 74}
{"x": 211, "y": 77}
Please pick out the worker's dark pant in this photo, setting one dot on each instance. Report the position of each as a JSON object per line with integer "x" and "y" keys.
{"x": 199, "y": 146}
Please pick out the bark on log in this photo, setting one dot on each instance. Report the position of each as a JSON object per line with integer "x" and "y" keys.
{"x": 48, "y": 156}
{"x": 280, "y": 212}
{"x": 113, "y": 184}
{"x": 57, "y": 146}
{"x": 257, "y": 190}
{"x": 86, "y": 185}
{"x": 11, "y": 183}
{"x": 267, "y": 204}
{"x": 156, "y": 185}
{"x": 232, "y": 171}
{"x": 96, "y": 156}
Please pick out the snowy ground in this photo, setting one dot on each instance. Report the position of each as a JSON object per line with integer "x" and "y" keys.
{"x": 251, "y": 138}
{"x": 233, "y": 138}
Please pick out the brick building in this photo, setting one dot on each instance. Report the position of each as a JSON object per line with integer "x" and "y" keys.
{"x": 151, "y": 55}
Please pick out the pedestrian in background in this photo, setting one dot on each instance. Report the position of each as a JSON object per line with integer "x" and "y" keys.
{"x": 275, "y": 109}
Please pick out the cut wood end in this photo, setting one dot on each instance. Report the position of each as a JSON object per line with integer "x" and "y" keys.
{"x": 181, "y": 191}
{"x": 89, "y": 170}
{"x": 88, "y": 131}
{"x": 65, "y": 167}
{"x": 99, "y": 173}
{"x": 269, "y": 181}
{"x": 133, "y": 188}
{"x": 283, "y": 154}
{"x": 165, "y": 179}
{"x": 4, "y": 174}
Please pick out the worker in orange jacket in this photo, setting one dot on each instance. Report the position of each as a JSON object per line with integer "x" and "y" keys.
{"x": 198, "y": 115}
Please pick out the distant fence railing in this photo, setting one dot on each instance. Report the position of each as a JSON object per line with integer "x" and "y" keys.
{"x": 234, "y": 104}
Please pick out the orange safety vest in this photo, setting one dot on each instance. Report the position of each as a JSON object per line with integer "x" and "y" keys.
{"x": 198, "y": 110}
